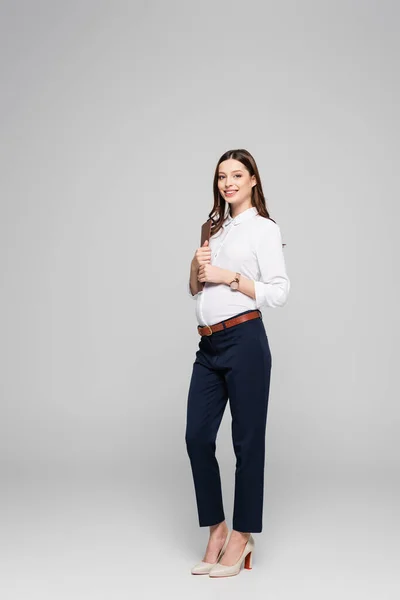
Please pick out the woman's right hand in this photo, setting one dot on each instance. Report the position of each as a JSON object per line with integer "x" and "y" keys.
{"x": 202, "y": 256}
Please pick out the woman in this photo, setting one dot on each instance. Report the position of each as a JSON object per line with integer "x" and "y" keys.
{"x": 240, "y": 270}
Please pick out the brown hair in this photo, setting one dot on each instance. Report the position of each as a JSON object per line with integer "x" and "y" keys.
{"x": 217, "y": 214}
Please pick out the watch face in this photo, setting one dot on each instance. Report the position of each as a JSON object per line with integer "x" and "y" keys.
{"x": 234, "y": 285}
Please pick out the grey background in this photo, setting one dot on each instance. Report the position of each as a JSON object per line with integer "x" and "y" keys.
{"x": 113, "y": 117}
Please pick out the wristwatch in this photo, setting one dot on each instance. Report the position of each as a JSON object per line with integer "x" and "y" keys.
{"x": 234, "y": 284}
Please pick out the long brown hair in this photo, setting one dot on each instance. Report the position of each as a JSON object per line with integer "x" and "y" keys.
{"x": 217, "y": 214}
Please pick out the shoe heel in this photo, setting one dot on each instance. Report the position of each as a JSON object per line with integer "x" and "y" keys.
{"x": 248, "y": 561}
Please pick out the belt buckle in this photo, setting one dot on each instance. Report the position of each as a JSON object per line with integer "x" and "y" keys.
{"x": 208, "y": 334}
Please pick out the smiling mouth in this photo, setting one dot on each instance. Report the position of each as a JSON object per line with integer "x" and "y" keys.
{"x": 230, "y": 193}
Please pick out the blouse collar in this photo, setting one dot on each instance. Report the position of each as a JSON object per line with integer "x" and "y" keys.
{"x": 241, "y": 217}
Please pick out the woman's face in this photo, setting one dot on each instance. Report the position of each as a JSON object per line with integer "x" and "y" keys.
{"x": 234, "y": 182}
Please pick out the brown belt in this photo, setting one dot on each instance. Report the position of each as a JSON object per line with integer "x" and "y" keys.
{"x": 210, "y": 329}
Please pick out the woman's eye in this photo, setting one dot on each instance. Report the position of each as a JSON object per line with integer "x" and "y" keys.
{"x": 237, "y": 175}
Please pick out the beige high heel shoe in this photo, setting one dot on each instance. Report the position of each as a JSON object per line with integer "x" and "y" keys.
{"x": 203, "y": 568}
{"x": 219, "y": 570}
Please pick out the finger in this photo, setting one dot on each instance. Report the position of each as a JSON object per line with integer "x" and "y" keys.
{"x": 203, "y": 259}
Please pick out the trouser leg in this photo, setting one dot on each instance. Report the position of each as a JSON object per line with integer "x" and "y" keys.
{"x": 206, "y": 403}
{"x": 248, "y": 383}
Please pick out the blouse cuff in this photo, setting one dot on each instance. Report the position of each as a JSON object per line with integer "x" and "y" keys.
{"x": 272, "y": 294}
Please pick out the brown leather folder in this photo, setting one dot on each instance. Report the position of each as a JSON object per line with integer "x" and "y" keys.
{"x": 205, "y": 231}
{"x": 205, "y": 235}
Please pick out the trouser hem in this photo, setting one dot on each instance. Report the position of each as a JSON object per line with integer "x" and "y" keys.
{"x": 247, "y": 528}
{"x": 210, "y": 522}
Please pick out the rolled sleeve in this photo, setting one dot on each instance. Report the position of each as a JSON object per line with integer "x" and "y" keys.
{"x": 272, "y": 289}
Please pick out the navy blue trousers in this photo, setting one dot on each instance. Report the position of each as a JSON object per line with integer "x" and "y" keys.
{"x": 233, "y": 364}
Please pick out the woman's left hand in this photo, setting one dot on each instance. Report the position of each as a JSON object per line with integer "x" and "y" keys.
{"x": 212, "y": 274}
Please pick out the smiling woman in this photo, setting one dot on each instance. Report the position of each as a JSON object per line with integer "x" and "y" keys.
{"x": 254, "y": 249}
{"x": 243, "y": 269}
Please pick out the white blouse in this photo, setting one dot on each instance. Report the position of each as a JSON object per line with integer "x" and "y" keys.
{"x": 251, "y": 245}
